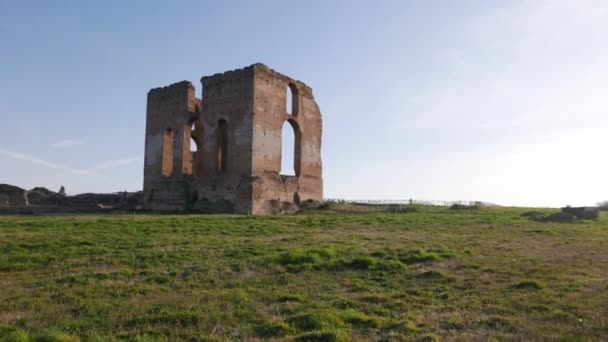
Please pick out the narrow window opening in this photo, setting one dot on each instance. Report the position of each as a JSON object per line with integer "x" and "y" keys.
{"x": 291, "y": 96}
{"x": 193, "y": 147}
{"x": 290, "y": 149}
{"x": 192, "y": 155}
{"x": 167, "y": 154}
{"x": 222, "y": 146}
{"x": 192, "y": 158}
{"x": 196, "y": 150}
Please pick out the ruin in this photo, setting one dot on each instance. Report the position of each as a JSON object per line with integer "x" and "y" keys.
{"x": 40, "y": 200}
{"x": 222, "y": 152}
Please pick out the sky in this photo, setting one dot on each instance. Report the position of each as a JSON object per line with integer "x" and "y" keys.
{"x": 500, "y": 101}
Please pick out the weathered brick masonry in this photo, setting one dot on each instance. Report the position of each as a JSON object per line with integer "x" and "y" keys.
{"x": 237, "y": 129}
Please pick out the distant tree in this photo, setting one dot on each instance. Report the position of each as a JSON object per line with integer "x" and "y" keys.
{"x": 603, "y": 205}
{"x": 61, "y": 191}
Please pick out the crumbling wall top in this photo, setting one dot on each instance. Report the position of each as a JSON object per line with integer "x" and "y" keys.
{"x": 181, "y": 94}
{"x": 248, "y": 71}
{"x": 264, "y": 68}
{"x": 228, "y": 75}
{"x": 178, "y": 87}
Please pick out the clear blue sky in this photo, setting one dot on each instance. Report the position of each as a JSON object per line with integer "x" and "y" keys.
{"x": 502, "y": 101}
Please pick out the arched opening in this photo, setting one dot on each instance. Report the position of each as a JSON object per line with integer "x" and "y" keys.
{"x": 222, "y": 146}
{"x": 167, "y": 153}
{"x": 192, "y": 159}
{"x": 193, "y": 147}
{"x": 196, "y": 148}
{"x": 290, "y": 149}
{"x": 291, "y": 96}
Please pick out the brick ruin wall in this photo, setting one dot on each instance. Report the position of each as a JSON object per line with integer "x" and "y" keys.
{"x": 237, "y": 130}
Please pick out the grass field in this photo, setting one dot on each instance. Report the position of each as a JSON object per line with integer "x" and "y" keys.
{"x": 432, "y": 275}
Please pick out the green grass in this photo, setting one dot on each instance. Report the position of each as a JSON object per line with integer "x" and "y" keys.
{"x": 343, "y": 274}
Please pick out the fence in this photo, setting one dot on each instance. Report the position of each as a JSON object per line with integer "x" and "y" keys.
{"x": 400, "y": 202}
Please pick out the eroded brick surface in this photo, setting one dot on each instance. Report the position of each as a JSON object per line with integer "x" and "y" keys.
{"x": 237, "y": 129}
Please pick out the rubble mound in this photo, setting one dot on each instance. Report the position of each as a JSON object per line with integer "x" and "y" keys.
{"x": 15, "y": 200}
{"x": 12, "y": 196}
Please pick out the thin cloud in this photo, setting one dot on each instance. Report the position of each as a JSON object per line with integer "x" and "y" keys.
{"x": 83, "y": 172}
{"x": 29, "y": 158}
{"x": 116, "y": 163}
{"x": 66, "y": 143}
{"x": 38, "y": 161}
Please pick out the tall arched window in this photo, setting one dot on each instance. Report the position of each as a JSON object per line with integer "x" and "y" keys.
{"x": 193, "y": 147}
{"x": 167, "y": 153}
{"x": 290, "y": 149}
{"x": 222, "y": 146}
{"x": 291, "y": 96}
{"x": 193, "y": 165}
